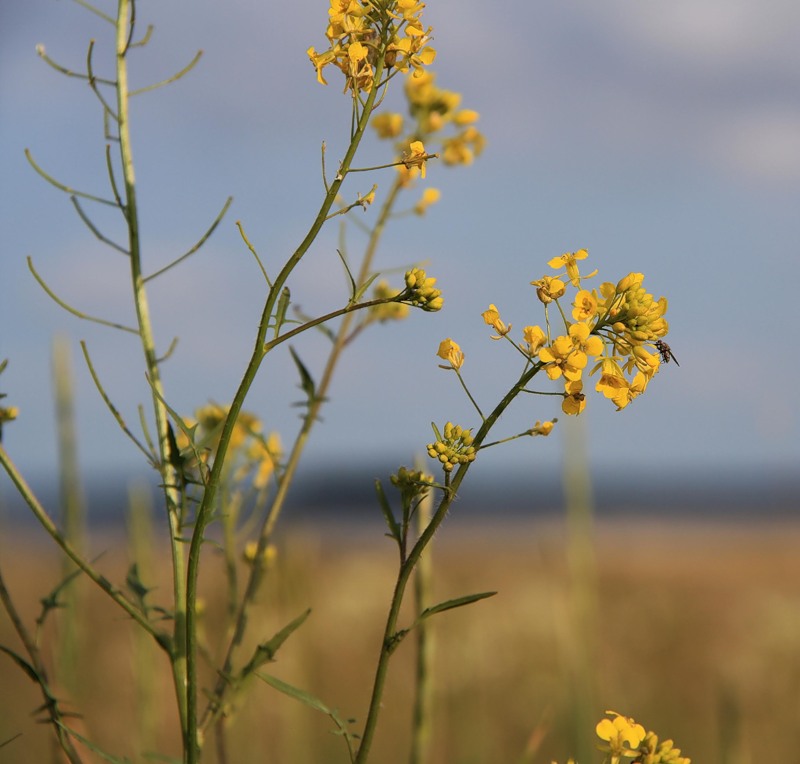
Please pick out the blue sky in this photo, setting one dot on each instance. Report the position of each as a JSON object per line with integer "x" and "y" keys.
{"x": 664, "y": 137}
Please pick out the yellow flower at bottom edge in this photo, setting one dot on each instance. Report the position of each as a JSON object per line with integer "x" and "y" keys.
{"x": 622, "y": 734}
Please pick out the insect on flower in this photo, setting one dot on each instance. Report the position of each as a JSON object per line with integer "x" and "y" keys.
{"x": 666, "y": 352}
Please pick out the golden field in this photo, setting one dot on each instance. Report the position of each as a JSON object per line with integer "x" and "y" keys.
{"x": 694, "y": 630}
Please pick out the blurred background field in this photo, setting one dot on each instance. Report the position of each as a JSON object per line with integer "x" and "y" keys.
{"x": 696, "y": 633}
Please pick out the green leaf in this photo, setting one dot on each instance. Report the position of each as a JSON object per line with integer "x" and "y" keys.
{"x": 265, "y": 652}
{"x": 359, "y": 293}
{"x": 51, "y": 601}
{"x": 313, "y": 702}
{"x": 306, "y": 381}
{"x": 283, "y": 306}
{"x": 92, "y": 747}
{"x": 23, "y": 664}
{"x": 450, "y": 604}
{"x": 349, "y": 275}
{"x": 394, "y": 528}
{"x": 134, "y": 583}
{"x": 295, "y": 692}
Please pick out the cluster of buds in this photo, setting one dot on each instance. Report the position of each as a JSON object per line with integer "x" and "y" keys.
{"x": 362, "y": 33}
{"x": 420, "y": 291}
{"x": 412, "y": 484}
{"x": 653, "y": 752}
{"x": 453, "y": 447}
{"x": 633, "y": 314}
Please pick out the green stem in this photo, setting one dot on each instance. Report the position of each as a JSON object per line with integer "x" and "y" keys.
{"x": 390, "y": 634}
{"x": 169, "y": 477}
{"x": 49, "y": 526}
{"x": 287, "y": 476}
{"x": 204, "y": 511}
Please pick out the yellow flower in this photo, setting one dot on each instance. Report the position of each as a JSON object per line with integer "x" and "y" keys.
{"x": 585, "y": 306}
{"x": 388, "y": 125}
{"x": 429, "y": 196}
{"x": 535, "y": 339}
{"x": 416, "y": 157}
{"x": 543, "y": 428}
{"x": 265, "y": 453}
{"x": 623, "y": 735}
{"x": 388, "y": 311}
{"x": 466, "y": 117}
{"x": 320, "y": 61}
{"x": 268, "y": 556}
{"x": 8, "y": 413}
{"x": 569, "y": 260}
{"x": 585, "y": 342}
{"x": 450, "y": 351}
{"x": 561, "y": 358}
{"x": 574, "y": 400}
{"x": 492, "y": 318}
{"x": 549, "y": 288}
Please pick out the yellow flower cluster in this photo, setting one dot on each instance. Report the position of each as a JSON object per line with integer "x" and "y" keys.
{"x": 432, "y": 110}
{"x": 420, "y": 291}
{"x": 614, "y": 325}
{"x": 621, "y": 734}
{"x": 250, "y": 452}
{"x": 453, "y": 447}
{"x": 369, "y": 35}
{"x": 623, "y": 737}
{"x": 387, "y": 311}
{"x": 652, "y": 751}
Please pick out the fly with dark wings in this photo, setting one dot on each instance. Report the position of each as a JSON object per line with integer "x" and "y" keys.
{"x": 666, "y": 352}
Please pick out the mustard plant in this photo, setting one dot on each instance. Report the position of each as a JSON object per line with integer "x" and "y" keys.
{"x": 222, "y": 465}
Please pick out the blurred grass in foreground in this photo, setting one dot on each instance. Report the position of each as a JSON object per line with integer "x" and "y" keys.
{"x": 697, "y": 636}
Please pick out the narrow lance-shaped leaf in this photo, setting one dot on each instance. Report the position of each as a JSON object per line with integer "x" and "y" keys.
{"x": 92, "y": 747}
{"x": 363, "y": 288}
{"x": 313, "y": 702}
{"x": 394, "y": 528}
{"x": 265, "y": 652}
{"x": 306, "y": 380}
{"x": 454, "y": 603}
{"x": 23, "y": 664}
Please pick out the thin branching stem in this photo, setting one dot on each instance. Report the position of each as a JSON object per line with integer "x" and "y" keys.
{"x": 197, "y": 246}
{"x": 205, "y": 509}
{"x": 62, "y": 187}
{"x": 390, "y": 635}
{"x": 50, "y": 527}
{"x": 186, "y": 69}
{"x": 93, "y": 228}
{"x": 312, "y": 415}
{"x": 75, "y": 311}
{"x": 169, "y": 476}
